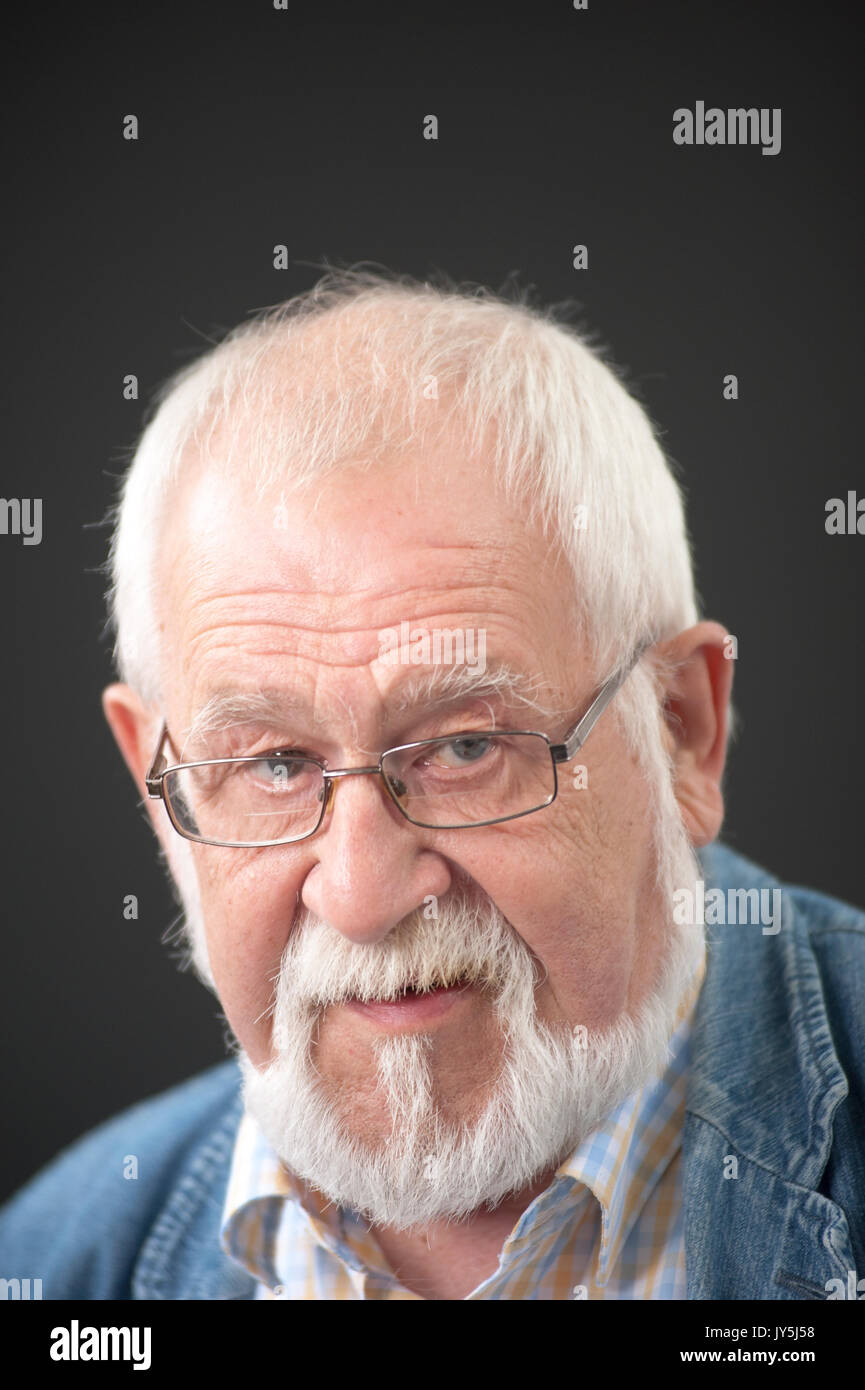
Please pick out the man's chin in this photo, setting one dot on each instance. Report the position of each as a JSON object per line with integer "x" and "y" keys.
{"x": 408, "y": 1166}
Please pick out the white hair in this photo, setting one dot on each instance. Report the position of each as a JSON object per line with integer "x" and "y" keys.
{"x": 367, "y": 366}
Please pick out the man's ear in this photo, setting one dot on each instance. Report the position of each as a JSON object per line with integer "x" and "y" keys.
{"x": 136, "y": 727}
{"x": 696, "y": 707}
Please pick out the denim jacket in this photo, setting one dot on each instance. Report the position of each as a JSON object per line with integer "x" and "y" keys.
{"x": 773, "y": 1145}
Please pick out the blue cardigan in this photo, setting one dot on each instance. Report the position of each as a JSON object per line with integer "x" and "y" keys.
{"x": 777, "y": 1081}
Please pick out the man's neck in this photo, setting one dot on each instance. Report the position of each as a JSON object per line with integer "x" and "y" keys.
{"x": 447, "y": 1260}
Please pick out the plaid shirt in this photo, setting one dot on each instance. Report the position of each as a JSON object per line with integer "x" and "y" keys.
{"x": 608, "y": 1226}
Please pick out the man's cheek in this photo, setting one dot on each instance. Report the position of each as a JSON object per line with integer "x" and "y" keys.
{"x": 245, "y": 943}
{"x": 249, "y": 1014}
{"x": 245, "y": 910}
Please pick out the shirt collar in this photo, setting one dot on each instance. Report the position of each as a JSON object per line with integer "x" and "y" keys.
{"x": 622, "y": 1162}
{"x": 258, "y": 1187}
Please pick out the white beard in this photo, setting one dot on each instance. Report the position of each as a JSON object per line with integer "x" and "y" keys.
{"x": 553, "y": 1090}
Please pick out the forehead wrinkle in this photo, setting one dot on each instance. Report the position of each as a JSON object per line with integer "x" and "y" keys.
{"x": 307, "y": 604}
{"x": 477, "y": 564}
{"x": 343, "y": 643}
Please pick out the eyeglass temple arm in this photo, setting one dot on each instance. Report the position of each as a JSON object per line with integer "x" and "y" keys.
{"x": 563, "y": 752}
{"x": 153, "y": 780}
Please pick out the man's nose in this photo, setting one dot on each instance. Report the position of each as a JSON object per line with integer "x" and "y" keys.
{"x": 373, "y": 866}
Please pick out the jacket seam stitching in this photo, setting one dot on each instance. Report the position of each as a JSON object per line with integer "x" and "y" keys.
{"x": 186, "y": 1201}
{"x": 779, "y": 1177}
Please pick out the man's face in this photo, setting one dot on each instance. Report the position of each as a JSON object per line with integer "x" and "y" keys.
{"x": 293, "y": 597}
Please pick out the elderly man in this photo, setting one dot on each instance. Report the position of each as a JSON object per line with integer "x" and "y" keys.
{"x": 416, "y": 692}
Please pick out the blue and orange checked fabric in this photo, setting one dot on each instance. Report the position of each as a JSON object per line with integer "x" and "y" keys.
{"x": 608, "y": 1226}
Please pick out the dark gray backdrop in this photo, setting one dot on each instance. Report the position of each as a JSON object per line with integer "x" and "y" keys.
{"x": 260, "y": 127}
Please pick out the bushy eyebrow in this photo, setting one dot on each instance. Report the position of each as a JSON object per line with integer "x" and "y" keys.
{"x": 448, "y": 685}
{"x": 432, "y": 691}
{"x": 226, "y": 708}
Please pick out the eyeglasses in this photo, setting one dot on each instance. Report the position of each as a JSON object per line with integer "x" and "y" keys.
{"x": 454, "y": 782}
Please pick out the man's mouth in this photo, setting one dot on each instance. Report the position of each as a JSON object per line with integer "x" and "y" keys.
{"x": 414, "y": 1004}
{"x": 419, "y": 988}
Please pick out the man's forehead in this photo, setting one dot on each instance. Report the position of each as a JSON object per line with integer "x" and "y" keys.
{"x": 314, "y": 577}
{"x": 437, "y": 497}
{"x": 359, "y": 550}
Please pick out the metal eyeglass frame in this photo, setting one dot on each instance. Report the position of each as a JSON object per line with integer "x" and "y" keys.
{"x": 559, "y": 753}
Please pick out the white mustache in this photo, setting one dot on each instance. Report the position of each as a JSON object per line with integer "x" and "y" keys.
{"x": 469, "y": 942}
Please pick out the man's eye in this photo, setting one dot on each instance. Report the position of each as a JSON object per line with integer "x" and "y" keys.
{"x": 274, "y": 772}
{"x": 461, "y": 752}
{"x": 281, "y": 769}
